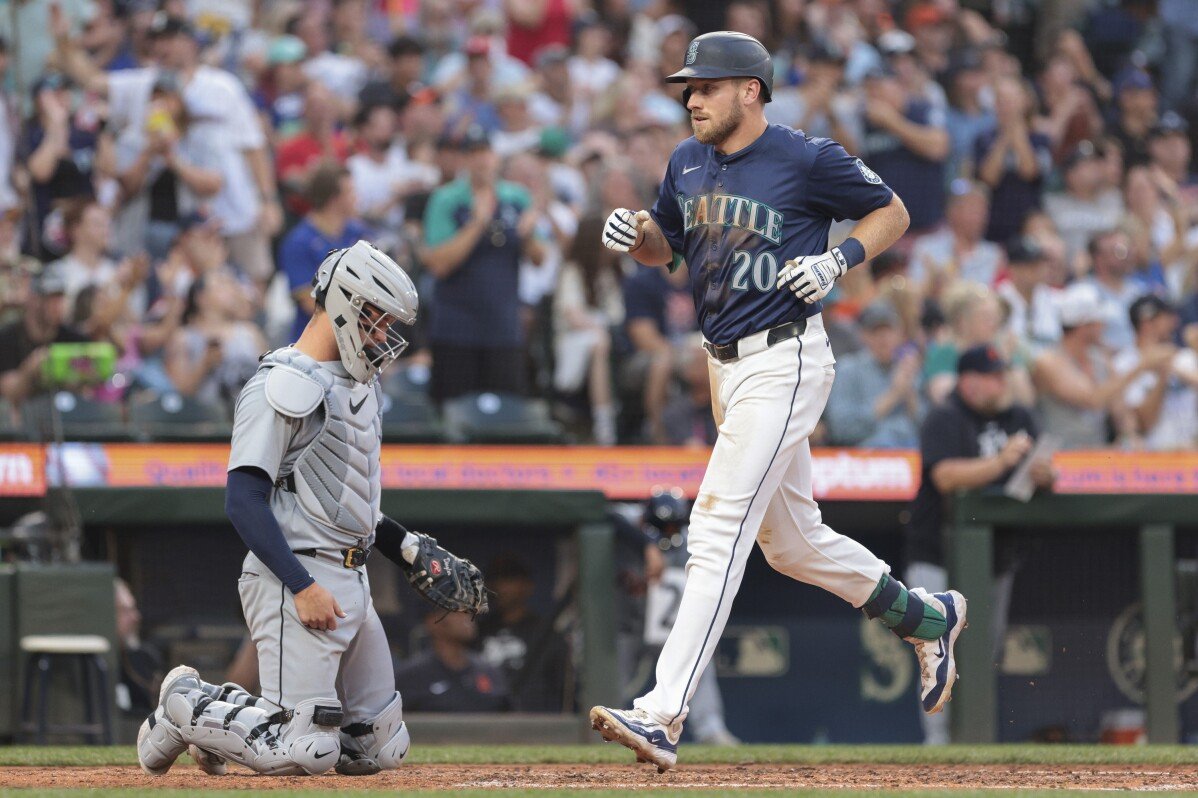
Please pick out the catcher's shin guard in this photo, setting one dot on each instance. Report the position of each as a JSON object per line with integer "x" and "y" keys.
{"x": 374, "y": 745}
{"x": 301, "y": 742}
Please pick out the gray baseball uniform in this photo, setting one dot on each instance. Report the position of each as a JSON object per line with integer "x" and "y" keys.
{"x": 316, "y": 433}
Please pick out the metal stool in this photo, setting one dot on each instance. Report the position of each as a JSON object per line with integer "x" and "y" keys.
{"x": 88, "y": 651}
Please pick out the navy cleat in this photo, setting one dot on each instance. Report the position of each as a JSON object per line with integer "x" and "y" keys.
{"x": 937, "y": 665}
{"x": 633, "y": 728}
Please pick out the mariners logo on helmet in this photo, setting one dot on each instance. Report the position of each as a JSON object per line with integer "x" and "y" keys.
{"x": 692, "y": 52}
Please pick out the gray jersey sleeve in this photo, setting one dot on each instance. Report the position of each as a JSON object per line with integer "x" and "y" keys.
{"x": 261, "y": 435}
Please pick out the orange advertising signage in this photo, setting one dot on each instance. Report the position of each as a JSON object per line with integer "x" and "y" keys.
{"x": 620, "y": 473}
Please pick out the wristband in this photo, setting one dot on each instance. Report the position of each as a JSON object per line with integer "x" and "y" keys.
{"x": 852, "y": 252}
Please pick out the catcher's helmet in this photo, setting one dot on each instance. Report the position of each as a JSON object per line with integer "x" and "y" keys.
{"x": 667, "y": 507}
{"x": 367, "y": 296}
{"x": 727, "y": 54}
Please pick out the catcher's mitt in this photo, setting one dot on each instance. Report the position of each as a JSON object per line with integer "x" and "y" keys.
{"x": 445, "y": 579}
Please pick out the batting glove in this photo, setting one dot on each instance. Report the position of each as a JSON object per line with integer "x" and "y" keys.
{"x": 811, "y": 277}
{"x": 624, "y": 231}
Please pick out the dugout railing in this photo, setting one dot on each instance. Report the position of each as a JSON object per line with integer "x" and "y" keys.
{"x": 979, "y": 518}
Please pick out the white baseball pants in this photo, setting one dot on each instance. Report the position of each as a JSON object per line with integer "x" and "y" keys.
{"x": 757, "y": 488}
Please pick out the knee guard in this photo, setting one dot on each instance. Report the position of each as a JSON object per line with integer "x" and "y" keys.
{"x": 312, "y": 737}
{"x": 374, "y": 745}
{"x": 159, "y": 744}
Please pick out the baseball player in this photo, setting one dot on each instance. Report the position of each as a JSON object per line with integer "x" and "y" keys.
{"x": 747, "y": 206}
{"x": 303, "y": 493}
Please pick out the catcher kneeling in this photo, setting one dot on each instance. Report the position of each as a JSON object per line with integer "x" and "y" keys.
{"x": 303, "y": 493}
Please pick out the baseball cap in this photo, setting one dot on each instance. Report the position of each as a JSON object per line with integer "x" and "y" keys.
{"x": 878, "y": 72}
{"x": 1147, "y": 308}
{"x": 982, "y": 359}
{"x": 286, "y": 49}
{"x": 675, "y": 23}
{"x": 51, "y": 81}
{"x": 1079, "y": 304}
{"x": 474, "y": 138}
{"x": 878, "y": 314}
{"x": 895, "y": 42}
{"x": 1084, "y": 151}
{"x": 1133, "y": 79}
{"x": 826, "y": 52}
{"x": 552, "y": 54}
{"x": 48, "y": 282}
{"x": 165, "y": 24}
{"x": 925, "y": 14}
{"x": 166, "y": 82}
{"x": 554, "y": 143}
{"x": 478, "y": 46}
{"x": 1169, "y": 122}
{"x": 1024, "y": 249}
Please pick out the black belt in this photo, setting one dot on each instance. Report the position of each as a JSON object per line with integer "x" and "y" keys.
{"x": 783, "y": 332}
{"x": 286, "y": 482}
{"x": 350, "y": 558}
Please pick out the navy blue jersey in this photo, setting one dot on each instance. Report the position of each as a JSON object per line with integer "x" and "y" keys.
{"x": 736, "y": 218}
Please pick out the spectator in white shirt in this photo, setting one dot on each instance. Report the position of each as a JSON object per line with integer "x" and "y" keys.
{"x": 1164, "y": 398}
{"x": 1086, "y": 206}
{"x": 383, "y": 175}
{"x": 957, "y": 251}
{"x": 1110, "y": 273}
{"x": 88, "y": 225}
{"x": 217, "y": 102}
{"x": 1032, "y": 316}
{"x": 591, "y": 71}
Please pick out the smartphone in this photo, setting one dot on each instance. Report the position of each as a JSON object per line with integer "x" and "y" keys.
{"x": 75, "y": 365}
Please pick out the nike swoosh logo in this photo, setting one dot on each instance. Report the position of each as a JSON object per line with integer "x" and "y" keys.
{"x": 690, "y": 169}
{"x": 322, "y": 756}
{"x": 355, "y": 408}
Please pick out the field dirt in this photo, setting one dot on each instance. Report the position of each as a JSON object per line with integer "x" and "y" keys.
{"x": 482, "y": 777}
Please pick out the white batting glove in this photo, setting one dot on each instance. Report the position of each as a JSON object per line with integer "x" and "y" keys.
{"x": 624, "y": 231}
{"x": 812, "y": 277}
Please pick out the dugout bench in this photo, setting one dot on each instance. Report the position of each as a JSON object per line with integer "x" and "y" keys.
{"x": 971, "y": 543}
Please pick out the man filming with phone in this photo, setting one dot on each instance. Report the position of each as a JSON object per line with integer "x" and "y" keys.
{"x": 25, "y": 342}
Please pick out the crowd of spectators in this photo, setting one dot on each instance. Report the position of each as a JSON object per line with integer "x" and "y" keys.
{"x": 171, "y": 174}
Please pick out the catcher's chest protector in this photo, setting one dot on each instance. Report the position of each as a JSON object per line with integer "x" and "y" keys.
{"x": 337, "y": 479}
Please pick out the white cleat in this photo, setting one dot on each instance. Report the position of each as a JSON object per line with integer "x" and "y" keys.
{"x": 633, "y": 728}
{"x": 208, "y": 762}
{"x": 159, "y": 743}
{"x": 937, "y": 665}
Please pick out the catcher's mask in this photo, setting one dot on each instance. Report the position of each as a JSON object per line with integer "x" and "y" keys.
{"x": 367, "y": 296}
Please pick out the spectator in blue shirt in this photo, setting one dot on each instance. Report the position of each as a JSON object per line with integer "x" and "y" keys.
{"x": 875, "y": 400}
{"x": 967, "y": 118}
{"x": 330, "y": 225}
{"x": 1012, "y": 160}
{"x": 906, "y": 144}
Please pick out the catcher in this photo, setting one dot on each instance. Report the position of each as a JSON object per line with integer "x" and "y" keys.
{"x": 303, "y": 492}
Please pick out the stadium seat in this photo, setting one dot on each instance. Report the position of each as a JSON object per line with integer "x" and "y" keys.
{"x": 411, "y": 418}
{"x": 171, "y": 417}
{"x": 76, "y": 417}
{"x": 500, "y": 418}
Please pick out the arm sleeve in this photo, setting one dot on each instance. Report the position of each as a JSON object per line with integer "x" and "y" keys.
{"x": 388, "y": 539}
{"x": 247, "y": 503}
{"x": 843, "y": 187}
{"x": 666, "y": 213}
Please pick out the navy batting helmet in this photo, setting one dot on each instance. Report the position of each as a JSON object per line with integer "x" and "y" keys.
{"x": 666, "y": 507}
{"x": 727, "y": 54}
